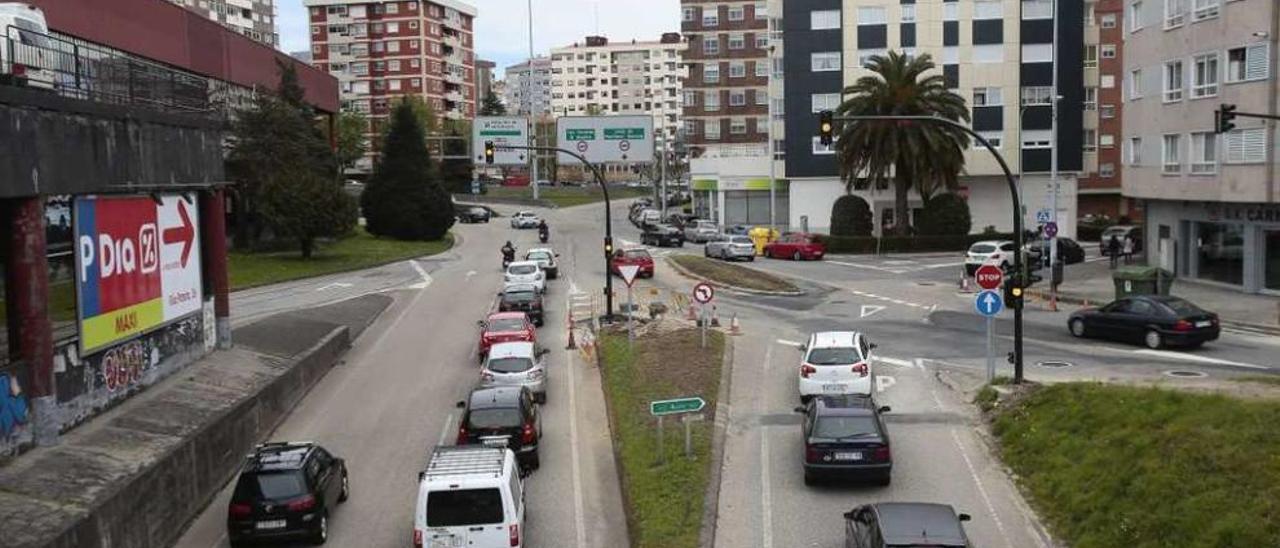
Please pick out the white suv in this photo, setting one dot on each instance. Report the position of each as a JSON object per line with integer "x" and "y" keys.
{"x": 835, "y": 363}
{"x": 525, "y": 272}
{"x": 995, "y": 252}
{"x": 525, "y": 219}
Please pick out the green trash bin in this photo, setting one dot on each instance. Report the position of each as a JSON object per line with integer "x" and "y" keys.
{"x": 1142, "y": 280}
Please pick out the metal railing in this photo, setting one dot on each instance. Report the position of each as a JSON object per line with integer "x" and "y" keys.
{"x": 82, "y": 71}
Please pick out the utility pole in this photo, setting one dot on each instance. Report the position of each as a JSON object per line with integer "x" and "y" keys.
{"x": 1053, "y": 167}
{"x": 533, "y": 122}
{"x": 773, "y": 193}
{"x": 662, "y": 160}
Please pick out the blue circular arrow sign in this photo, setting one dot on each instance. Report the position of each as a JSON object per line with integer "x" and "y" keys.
{"x": 988, "y": 303}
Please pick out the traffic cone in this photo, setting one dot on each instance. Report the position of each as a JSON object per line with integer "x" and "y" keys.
{"x": 964, "y": 284}
{"x": 734, "y": 328}
{"x": 573, "y": 345}
{"x": 715, "y": 317}
{"x": 689, "y": 313}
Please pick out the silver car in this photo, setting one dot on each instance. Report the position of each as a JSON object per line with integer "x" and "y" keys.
{"x": 525, "y": 219}
{"x": 730, "y": 248}
{"x": 700, "y": 231}
{"x": 516, "y": 364}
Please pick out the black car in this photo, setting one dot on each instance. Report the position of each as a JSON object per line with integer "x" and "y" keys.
{"x": 502, "y": 416}
{"x": 662, "y": 236}
{"x": 844, "y": 437}
{"x": 1069, "y": 251}
{"x": 286, "y": 490}
{"x": 1153, "y": 320}
{"x": 522, "y": 298}
{"x": 913, "y": 524}
{"x": 473, "y": 215}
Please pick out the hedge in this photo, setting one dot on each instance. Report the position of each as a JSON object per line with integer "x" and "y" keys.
{"x": 905, "y": 244}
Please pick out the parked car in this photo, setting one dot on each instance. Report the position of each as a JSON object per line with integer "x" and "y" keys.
{"x": 516, "y": 364}
{"x": 525, "y": 219}
{"x": 526, "y": 272}
{"x": 889, "y": 524}
{"x": 845, "y": 438}
{"x": 522, "y": 298}
{"x": 834, "y": 363}
{"x": 546, "y": 259}
{"x": 474, "y": 215}
{"x": 701, "y": 231}
{"x": 502, "y": 327}
{"x": 1153, "y": 320}
{"x": 1121, "y": 232}
{"x": 737, "y": 230}
{"x": 29, "y": 58}
{"x": 502, "y": 416}
{"x": 633, "y": 256}
{"x": 1069, "y": 252}
{"x": 286, "y": 490}
{"x": 797, "y": 246}
{"x": 662, "y": 236}
{"x": 996, "y": 252}
{"x": 648, "y": 217}
{"x": 730, "y": 248}
{"x": 470, "y": 496}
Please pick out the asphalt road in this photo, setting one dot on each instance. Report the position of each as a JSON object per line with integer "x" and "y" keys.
{"x": 393, "y": 398}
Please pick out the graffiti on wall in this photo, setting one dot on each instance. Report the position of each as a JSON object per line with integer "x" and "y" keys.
{"x": 13, "y": 406}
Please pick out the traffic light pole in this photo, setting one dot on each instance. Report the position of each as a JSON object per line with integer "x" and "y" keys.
{"x": 1018, "y": 235}
{"x": 1225, "y": 115}
{"x": 608, "y": 214}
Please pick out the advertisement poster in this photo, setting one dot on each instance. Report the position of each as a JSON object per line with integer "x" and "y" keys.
{"x": 137, "y": 265}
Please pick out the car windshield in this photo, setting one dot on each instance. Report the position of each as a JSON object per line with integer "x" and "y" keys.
{"x": 982, "y": 248}
{"x": 271, "y": 485}
{"x": 519, "y": 295}
{"x": 1182, "y": 307}
{"x": 843, "y": 355}
{"x": 741, "y": 240}
{"x": 31, "y": 33}
{"x": 524, "y": 269}
{"x": 462, "y": 507}
{"x": 845, "y": 427}
{"x": 636, "y": 254}
{"x": 506, "y": 324}
{"x": 495, "y": 417}
{"x": 510, "y": 365}
{"x": 538, "y": 256}
{"x": 477, "y": 211}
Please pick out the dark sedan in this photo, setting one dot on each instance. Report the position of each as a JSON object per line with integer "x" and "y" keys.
{"x": 1069, "y": 251}
{"x": 1153, "y": 320}
{"x": 473, "y": 215}
{"x": 845, "y": 438}
{"x": 662, "y": 236}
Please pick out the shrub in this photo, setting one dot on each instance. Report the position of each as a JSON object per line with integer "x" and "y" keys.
{"x": 851, "y": 216}
{"x": 945, "y": 214}
{"x": 905, "y": 244}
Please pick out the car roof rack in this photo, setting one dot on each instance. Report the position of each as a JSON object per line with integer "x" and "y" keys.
{"x": 453, "y": 461}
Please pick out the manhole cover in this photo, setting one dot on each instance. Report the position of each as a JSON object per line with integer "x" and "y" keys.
{"x": 1053, "y": 364}
{"x": 927, "y": 283}
{"x": 1186, "y": 374}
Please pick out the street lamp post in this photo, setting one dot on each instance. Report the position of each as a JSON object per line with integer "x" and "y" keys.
{"x": 773, "y": 193}
{"x": 533, "y": 124}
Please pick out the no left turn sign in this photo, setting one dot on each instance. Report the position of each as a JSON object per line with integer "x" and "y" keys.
{"x": 703, "y": 293}
{"x": 582, "y": 146}
{"x": 624, "y": 145}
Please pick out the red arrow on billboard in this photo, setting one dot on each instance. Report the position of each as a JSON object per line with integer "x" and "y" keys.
{"x": 184, "y": 234}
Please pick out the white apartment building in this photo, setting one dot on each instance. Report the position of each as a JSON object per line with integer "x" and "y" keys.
{"x": 528, "y": 88}
{"x": 253, "y": 18}
{"x": 596, "y": 78}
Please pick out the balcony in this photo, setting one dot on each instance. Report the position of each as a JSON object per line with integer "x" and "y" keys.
{"x": 454, "y": 23}
{"x": 452, "y": 41}
{"x": 453, "y": 78}
{"x": 453, "y": 96}
{"x": 454, "y": 114}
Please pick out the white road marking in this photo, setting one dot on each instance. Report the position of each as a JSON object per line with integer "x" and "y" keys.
{"x": 982, "y": 490}
{"x": 766, "y": 495}
{"x": 866, "y": 266}
{"x": 944, "y": 265}
{"x": 869, "y": 309}
{"x": 897, "y": 301}
{"x": 893, "y": 361}
{"x": 448, "y": 426}
{"x": 789, "y": 343}
{"x": 333, "y": 285}
{"x": 580, "y": 526}
{"x": 883, "y": 382}
{"x": 470, "y": 273}
{"x": 1195, "y": 358}
{"x": 426, "y": 278}
{"x": 920, "y": 363}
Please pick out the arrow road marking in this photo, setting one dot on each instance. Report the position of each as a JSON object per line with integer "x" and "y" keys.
{"x": 789, "y": 343}
{"x": 869, "y": 309}
{"x": 426, "y": 278}
{"x": 893, "y": 361}
{"x": 333, "y": 285}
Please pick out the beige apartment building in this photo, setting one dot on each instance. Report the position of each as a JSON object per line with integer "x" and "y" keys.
{"x": 253, "y": 18}
{"x": 597, "y": 78}
{"x": 1212, "y": 201}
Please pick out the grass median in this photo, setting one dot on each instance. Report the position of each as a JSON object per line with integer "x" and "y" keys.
{"x": 360, "y": 250}
{"x": 568, "y": 196}
{"x": 733, "y": 275}
{"x": 664, "y": 502}
{"x": 1147, "y": 467}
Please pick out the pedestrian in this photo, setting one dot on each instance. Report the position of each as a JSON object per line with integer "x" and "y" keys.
{"x": 1128, "y": 249}
{"x": 1113, "y": 249}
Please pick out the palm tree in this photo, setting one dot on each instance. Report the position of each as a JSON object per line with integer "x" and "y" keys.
{"x": 909, "y": 154}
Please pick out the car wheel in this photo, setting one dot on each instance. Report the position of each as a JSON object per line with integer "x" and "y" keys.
{"x": 538, "y": 321}
{"x": 706, "y": 253}
{"x": 540, "y": 398}
{"x": 346, "y": 488}
{"x": 796, "y": 256}
{"x": 534, "y": 461}
{"x": 751, "y": 259}
{"x": 321, "y": 534}
{"x": 884, "y": 480}
{"x": 1077, "y": 327}
{"x": 809, "y": 480}
{"x": 1153, "y": 339}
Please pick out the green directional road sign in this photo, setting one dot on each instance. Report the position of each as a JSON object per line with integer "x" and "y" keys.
{"x": 580, "y": 134}
{"x": 604, "y": 139}
{"x": 624, "y": 133}
{"x": 676, "y": 406}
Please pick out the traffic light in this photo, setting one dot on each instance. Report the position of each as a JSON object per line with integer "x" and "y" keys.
{"x": 489, "y": 152}
{"x": 1223, "y": 118}
{"x": 826, "y": 128}
{"x": 1013, "y": 292}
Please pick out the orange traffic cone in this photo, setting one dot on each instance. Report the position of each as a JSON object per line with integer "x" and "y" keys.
{"x": 689, "y": 313}
{"x": 573, "y": 345}
{"x": 734, "y": 328}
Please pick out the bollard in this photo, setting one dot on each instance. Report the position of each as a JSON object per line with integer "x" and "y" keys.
{"x": 715, "y": 316}
{"x": 734, "y": 328}
{"x": 572, "y": 344}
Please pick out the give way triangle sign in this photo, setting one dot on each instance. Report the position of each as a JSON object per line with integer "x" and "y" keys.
{"x": 629, "y": 273}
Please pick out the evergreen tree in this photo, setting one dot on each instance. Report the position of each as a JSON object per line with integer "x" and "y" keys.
{"x": 303, "y": 205}
{"x": 404, "y": 198}
{"x": 492, "y": 106}
{"x": 456, "y": 172}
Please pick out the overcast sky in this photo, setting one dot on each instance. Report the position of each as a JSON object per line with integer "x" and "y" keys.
{"x": 502, "y": 28}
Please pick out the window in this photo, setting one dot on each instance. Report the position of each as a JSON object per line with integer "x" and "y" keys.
{"x": 1090, "y": 98}
{"x": 1135, "y": 84}
{"x": 824, "y": 19}
{"x": 1205, "y": 9}
{"x": 1108, "y": 51}
{"x": 1135, "y": 16}
{"x": 1040, "y": 9}
{"x": 987, "y": 9}
{"x": 737, "y": 41}
{"x": 988, "y": 53}
{"x": 1090, "y": 56}
{"x": 762, "y": 69}
{"x": 873, "y": 15}
{"x": 1135, "y": 151}
{"x": 1170, "y": 147}
{"x": 711, "y": 73}
{"x": 393, "y": 46}
{"x": 1037, "y": 53}
{"x": 826, "y": 61}
{"x": 737, "y": 13}
{"x": 1037, "y": 95}
{"x": 996, "y": 138}
{"x": 688, "y": 14}
{"x": 1107, "y": 170}
{"x": 1108, "y": 20}
{"x": 824, "y": 101}
{"x": 762, "y": 99}
{"x": 1089, "y": 12}
{"x": 1107, "y": 81}
{"x": 394, "y": 84}
{"x": 393, "y": 28}
{"x": 908, "y": 13}
{"x": 315, "y": 29}
{"x": 1245, "y": 146}
{"x": 1173, "y": 81}
{"x": 1037, "y": 138}
{"x": 1204, "y": 153}
{"x": 690, "y": 98}
{"x": 986, "y": 97}
{"x": 737, "y": 69}
{"x": 737, "y": 98}
{"x": 417, "y": 82}
{"x": 711, "y": 46}
{"x": 865, "y": 55}
{"x": 1204, "y": 81}
{"x": 820, "y": 149}
{"x": 711, "y": 19}
{"x": 337, "y": 10}
{"x": 393, "y": 65}
{"x": 712, "y": 129}
{"x": 392, "y": 7}
{"x": 1089, "y": 140}
{"x": 413, "y": 25}
{"x": 762, "y": 41}
{"x": 737, "y": 126}
{"x": 950, "y": 11}
{"x": 690, "y": 127}
{"x": 712, "y": 101}
{"x": 1247, "y": 63}
{"x": 1175, "y": 13}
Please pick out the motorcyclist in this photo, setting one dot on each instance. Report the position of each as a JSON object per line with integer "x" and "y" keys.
{"x": 508, "y": 252}
{"x": 543, "y": 230}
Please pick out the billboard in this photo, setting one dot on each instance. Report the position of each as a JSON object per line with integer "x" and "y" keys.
{"x": 137, "y": 265}
{"x": 606, "y": 138}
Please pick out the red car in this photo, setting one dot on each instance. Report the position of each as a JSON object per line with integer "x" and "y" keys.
{"x": 796, "y": 245}
{"x": 503, "y": 327}
{"x": 634, "y": 256}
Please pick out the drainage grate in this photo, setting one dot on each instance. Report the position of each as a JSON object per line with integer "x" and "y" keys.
{"x": 1186, "y": 374}
{"x": 1054, "y": 364}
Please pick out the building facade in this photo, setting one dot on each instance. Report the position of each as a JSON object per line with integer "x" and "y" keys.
{"x": 380, "y": 51}
{"x": 598, "y": 78}
{"x": 253, "y": 18}
{"x": 1101, "y": 180}
{"x": 973, "y": 44}
{"x": 484, "y": 79}
{"x": 1211, "y": 201}
{"x": 528, "y": 88}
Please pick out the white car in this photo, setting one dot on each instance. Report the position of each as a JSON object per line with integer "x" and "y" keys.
{"x": 836, "y": 363}
{"x": 995, "y": 252}
{"x": 546, "y": 259}
{"x": 525, "y": 219}
{"x": 730, "y": 248}
{"x": 470, "y": 496}
{"x": 525, "y": 272}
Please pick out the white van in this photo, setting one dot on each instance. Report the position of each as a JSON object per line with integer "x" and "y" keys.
{"x": 23, "y": 27}
{"x": 470, "y": 496}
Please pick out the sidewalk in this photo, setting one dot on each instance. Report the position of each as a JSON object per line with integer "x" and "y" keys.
{"x": 1091, "y": 283}
{"x": 134, "y": 476}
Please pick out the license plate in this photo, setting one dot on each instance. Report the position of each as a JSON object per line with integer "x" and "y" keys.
{"x": 272, "y": 524}
{"x": 445, "y": 539}
{"x": 833, "y": 388}
{"x": 495, "y": 442}
{"x": 1205, "y": 323}
{"x": 849, "y": 456}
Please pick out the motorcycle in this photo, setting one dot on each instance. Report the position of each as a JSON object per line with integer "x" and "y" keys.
{"x": 544, "y": 235}
{"x": 508, "y": 258}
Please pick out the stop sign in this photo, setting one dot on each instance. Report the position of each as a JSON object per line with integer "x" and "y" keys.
{"x": 988, "y": 276}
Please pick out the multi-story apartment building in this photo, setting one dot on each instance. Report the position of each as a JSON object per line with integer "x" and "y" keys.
{"x": 253, "y": 18}
{"x": 726, "y": 109}
{"x": 484, "y": 78}
{"x": 598, "y": 78}
{"x": 1100, "y": 181}
{"x": 383, "y": 50}
{"x": 1211, "y": 201}
{"x": 974, "y": 45}
{"x": 528, "y": 88}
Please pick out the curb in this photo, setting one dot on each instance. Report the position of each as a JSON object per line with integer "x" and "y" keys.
{"x": 457, "y": 240}
{"x": 1262, "y": 329}
{"x": 720, "y": 428}
{"x": 731, "y": 288}
{"x": 613, "y": 440}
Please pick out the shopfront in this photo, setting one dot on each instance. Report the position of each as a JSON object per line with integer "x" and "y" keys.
{"x": 741, "y": 201}
{"x": 1236, "y": 245}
